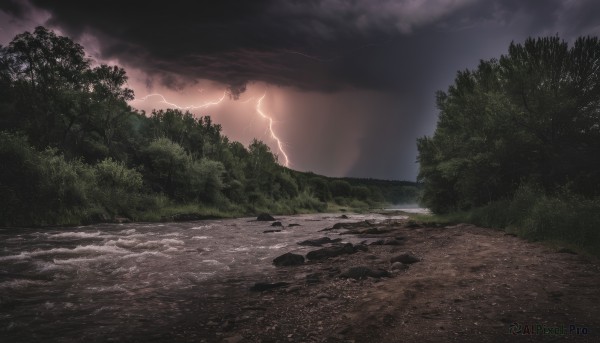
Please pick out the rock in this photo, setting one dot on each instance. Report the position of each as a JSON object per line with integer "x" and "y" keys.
{"x": 361, "y": 247}
{"x": 265, "y": 217}
{"x": 405, "y": 258}
{"x": 233, "y": 339}
{"x": 343, "y": 216}
{"x": 288, "y": 259}
{"x": 334, "y": 251}
{"x": 374, "y": 231}
{"x": 323, "y": 296}
{"x": 276, "y": 224}
{"x": 319, "y": 241}
{"x": 393, "y": 241}
{"x": 399, "y": 266}
{"x": 292, "y": 225}
{"x": 265, "y": 286}
{"x": 338, "y": 226}
{"x": 269, "y": 231}
{"x": 363, "y": 272}
{"x": 388, "y": 241}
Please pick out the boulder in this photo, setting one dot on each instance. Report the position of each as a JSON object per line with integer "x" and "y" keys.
{"x": 363, "y": 272}
{"x": 334, "y": 251}
{"x": 276, "y": 224}
{"x": 319, "y": 241}
{"x": 343, "y": 216}
{"x": 405, "y": 258}
{"x": 265, "y": 217}
{"x": 288, "y": 259}
{"x": 265, "y": 286}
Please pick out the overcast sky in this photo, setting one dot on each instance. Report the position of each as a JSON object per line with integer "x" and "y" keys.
{"x": 349, "y": 84}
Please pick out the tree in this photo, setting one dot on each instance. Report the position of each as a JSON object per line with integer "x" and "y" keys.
{"x": 166, "y": 163}
{"x": 340, "y": 188}
{"x": 532, "y": 115}
{"x": 49, "y": 77}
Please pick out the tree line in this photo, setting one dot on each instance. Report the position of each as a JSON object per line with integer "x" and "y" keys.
{"x": 73, "y": 151}
{"x": 531, "y": 116}
{"x": 517, "y": 143}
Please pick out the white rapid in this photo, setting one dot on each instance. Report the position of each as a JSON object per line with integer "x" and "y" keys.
{"x": 118, "y": 281}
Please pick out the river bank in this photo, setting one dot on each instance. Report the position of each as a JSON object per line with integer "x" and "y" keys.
{"x": 470, "y": 285}
{"x": 465, "y": 284}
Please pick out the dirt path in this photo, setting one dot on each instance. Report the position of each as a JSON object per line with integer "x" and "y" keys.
{"x": 471, "y": 285}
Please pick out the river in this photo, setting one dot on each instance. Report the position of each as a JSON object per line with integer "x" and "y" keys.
{"x": 122, "y": 282}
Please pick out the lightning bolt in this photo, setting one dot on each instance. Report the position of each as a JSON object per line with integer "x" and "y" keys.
{"x": 273, "y": 135}
{"x": 259, "y": 110}
{"x": 191, "y": 107}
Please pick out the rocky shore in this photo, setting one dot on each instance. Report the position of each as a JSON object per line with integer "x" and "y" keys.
{"x": 409, "y": 282}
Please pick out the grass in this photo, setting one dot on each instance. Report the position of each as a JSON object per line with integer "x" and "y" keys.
{"x": 165, "y": 210}
{"x": 561, "y": 220}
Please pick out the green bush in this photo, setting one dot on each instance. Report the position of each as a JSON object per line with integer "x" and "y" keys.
{"x": 118, "y": 188}
{"x": 340, "y": 188}
{"x": 41, "y": 188}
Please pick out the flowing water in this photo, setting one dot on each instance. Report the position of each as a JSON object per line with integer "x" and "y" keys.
{"x": 117, "y": 281}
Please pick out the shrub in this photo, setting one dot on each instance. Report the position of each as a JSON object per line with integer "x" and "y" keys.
{"x": 118, "y": 188}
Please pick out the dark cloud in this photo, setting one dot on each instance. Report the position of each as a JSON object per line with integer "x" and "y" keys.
{"x": 405, "y": 50}
{"x": 312, "y": 45}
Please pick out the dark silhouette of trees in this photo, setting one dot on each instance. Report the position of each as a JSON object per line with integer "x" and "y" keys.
{"x": 531, "y": 116}
{"x": 72, "y": 150}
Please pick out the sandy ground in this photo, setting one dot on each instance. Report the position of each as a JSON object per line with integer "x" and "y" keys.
{"x": 471, "y": 285}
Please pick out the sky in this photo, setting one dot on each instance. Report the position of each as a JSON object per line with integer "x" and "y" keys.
{"x": 347, "y": 86}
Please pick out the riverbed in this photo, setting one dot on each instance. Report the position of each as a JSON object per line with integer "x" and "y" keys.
{"x": 110, "y": 281}
{"x": 191, "y": 282}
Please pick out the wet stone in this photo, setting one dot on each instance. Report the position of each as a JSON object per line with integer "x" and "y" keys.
{"x": 265, "y": 286}
{"x": 288, "y": 259}
{"x": 405, "y": 258}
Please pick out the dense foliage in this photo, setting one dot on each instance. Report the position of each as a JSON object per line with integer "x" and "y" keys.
{"x": 531, "y": 117}
{"x": 517, "y": 144}
{"x": 72, "y": 150}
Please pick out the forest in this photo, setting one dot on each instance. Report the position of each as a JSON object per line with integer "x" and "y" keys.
{"x": 74, "y": 152}
{"x": 517, "y": 143}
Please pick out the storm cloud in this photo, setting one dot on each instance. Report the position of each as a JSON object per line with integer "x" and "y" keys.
{"x": 385, "y": 57}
